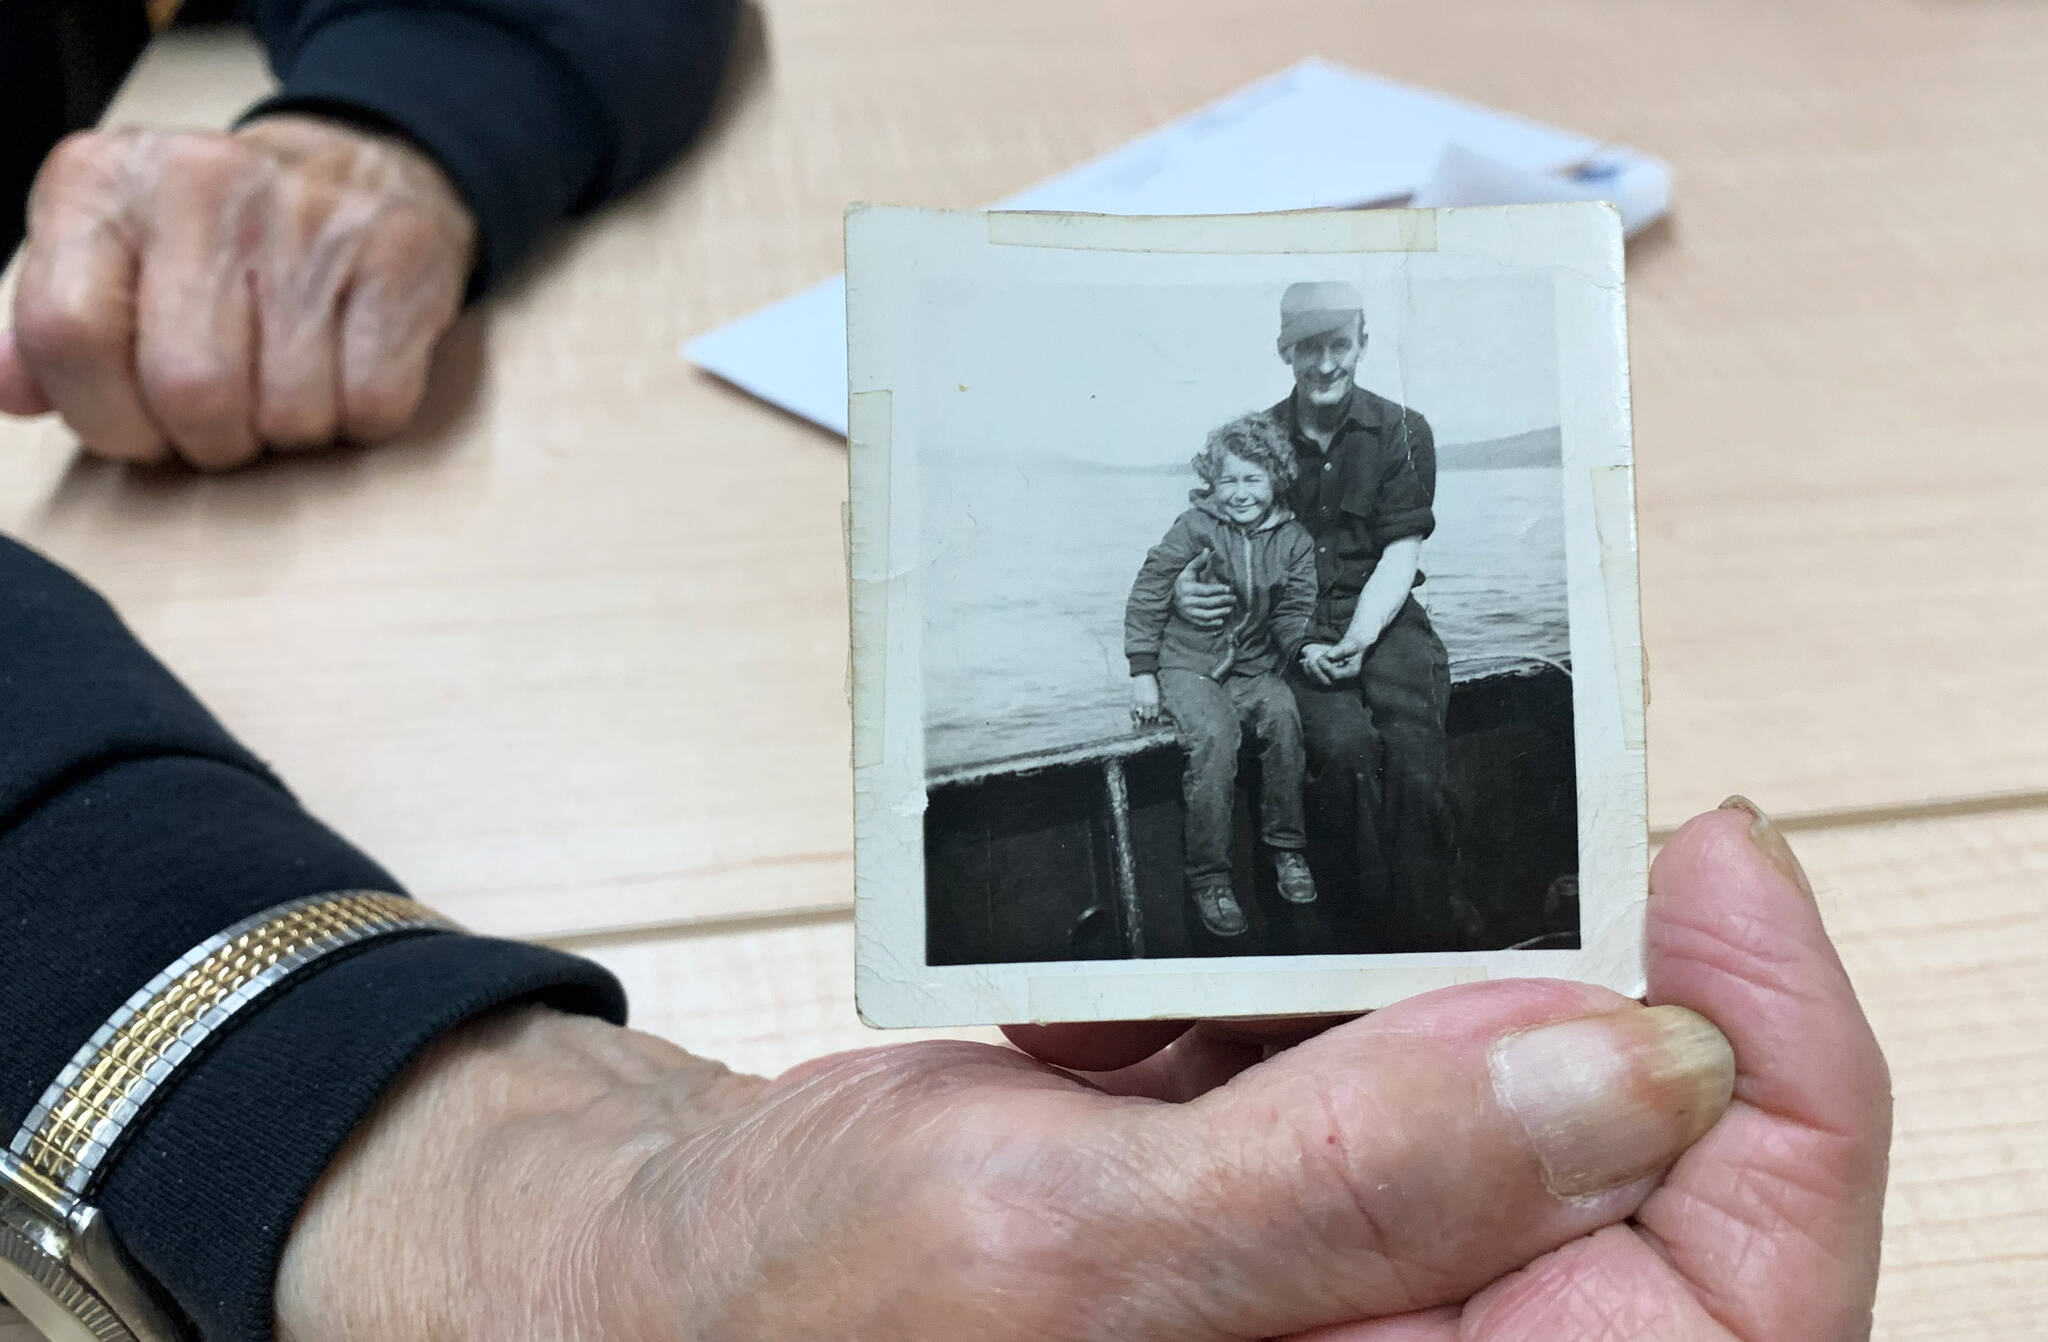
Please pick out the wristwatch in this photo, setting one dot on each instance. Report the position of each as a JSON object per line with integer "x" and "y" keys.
{"x": 61, "y": 1265}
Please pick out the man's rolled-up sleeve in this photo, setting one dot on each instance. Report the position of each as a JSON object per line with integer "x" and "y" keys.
{"x": 537, "y": 109}
{"x": 1405, "y": 503}
{"x": 133, "y": 827}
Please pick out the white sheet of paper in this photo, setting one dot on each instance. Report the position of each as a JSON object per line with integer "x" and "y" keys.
{"x": 1269, "y": 146}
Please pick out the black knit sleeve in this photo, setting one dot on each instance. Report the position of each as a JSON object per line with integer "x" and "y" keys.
{"x": 133, "y": 827}
{"x": 537, "y": 109}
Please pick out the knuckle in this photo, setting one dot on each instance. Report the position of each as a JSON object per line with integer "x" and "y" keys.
{"x": 190, "y": 390}
{"x": 313, "y": 209}
{"x": 220, "y": 454}
{"x": 1345, "y": 1142}
{"x": 82, "y": 155}
{"x": 1329, "y": 1151}
{"x": 381, "y": 406}
{"x": 295, "y": 423}
{"x": 206, "y": 157}
{"x": 408, "y": 230}
{"x": 92, "y": 160}
{"x": 379, "y": 410}
{"x": 67, "y": 330}
{"x": 201, "y": 404}
{"x": 421, "y": 268}
{"x": 139, "y": 452}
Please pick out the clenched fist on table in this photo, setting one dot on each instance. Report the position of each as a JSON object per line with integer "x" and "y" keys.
{"x": 206, "y": 295}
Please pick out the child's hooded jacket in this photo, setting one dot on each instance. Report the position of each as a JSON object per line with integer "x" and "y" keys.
{"x": 1271, "y": 569}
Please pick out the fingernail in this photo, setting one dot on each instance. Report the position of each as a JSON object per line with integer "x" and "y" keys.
{"x": 1769, "y": 840}
{"x": 1605, "y": 1100}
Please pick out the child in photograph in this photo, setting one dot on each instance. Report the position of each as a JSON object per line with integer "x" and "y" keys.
{"x": 1216, "y": 683}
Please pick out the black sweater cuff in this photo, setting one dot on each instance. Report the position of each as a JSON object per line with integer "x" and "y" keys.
{"x": 206, "y": 1193}
{"x": 132, "y": 827}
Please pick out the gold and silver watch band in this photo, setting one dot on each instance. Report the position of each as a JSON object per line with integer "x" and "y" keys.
{"x": 51, "y": 1238}
{"x": 113, "y": 1075}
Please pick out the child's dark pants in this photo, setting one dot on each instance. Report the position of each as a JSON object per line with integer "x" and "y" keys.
{"x": 1211, "y": 718}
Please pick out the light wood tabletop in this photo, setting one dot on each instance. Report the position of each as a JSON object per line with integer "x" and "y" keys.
{"x": 512, "y": 660}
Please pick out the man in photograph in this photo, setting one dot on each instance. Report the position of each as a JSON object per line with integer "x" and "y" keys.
{"x": 1372, "y": 681}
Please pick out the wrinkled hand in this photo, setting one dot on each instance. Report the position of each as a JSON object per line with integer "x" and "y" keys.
{"x": 935, "y": 1192}
{"x": 1204, "y": 604}
{"x": 1468, "y": 1155}
{"x": 207, "y": 295}
{"x": 1769, "y": 1227}
{"x": 1144, "y": 699}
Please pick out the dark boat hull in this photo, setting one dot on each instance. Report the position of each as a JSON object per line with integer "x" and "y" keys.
{"x": 1031, "y": 861}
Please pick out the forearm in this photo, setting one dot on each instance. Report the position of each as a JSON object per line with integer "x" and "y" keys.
{"x": 1384, "y": 593}
{"x": 482, "y": 1199}
{"x": 1295, "y": 616}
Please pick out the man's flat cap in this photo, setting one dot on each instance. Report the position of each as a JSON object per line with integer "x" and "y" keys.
{"x": 1316, "y": 307}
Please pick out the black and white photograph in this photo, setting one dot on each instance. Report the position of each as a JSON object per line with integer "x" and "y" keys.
{"x": 1244, "y": 610}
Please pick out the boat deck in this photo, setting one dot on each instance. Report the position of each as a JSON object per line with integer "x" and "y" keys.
{"x": 1074, "y": 853}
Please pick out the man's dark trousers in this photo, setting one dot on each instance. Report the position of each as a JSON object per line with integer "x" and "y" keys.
{"x": 1378, "y": 814}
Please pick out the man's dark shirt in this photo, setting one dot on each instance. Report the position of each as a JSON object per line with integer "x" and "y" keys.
{"x": 1374, "y": 485}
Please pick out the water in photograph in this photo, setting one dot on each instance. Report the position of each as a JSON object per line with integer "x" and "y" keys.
{"x": 1029, "y": 566}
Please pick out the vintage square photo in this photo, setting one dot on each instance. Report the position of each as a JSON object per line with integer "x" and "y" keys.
{"x": 1244, "y": 610}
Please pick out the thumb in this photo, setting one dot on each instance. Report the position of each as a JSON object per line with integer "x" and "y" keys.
{"x": 1407, "y": 1159}
{"x": 19, "y": 394}
{"x": 1800, "y": 1164}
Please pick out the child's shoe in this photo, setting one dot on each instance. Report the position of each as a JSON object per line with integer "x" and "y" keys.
{"x": 1297, "y": 886}
{"x": 1218, "y": 905}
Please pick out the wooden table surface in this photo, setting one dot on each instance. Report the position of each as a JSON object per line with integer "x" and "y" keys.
{"x": 503, "y": 658}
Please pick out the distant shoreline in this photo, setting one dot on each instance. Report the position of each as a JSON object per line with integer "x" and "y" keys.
{"x": 1522, "y": 451}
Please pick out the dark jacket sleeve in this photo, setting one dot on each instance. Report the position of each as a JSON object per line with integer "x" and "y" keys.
{"x": 1151, "y": 598}
{"x": 133, "y": 827}
{"x": 537, "y": 109}
{"x": 1297, "y": 604}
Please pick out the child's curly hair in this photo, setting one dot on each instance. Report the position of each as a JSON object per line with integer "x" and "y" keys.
{"x": 1256, "y": 438}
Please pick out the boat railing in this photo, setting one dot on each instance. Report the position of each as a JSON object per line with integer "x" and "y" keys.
{"x": 1110, "y": 754}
